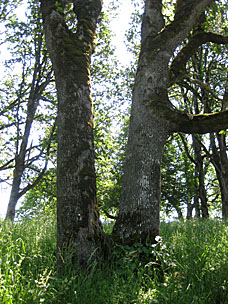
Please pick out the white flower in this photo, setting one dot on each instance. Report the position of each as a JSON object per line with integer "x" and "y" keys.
{"x": 158, "y": 238}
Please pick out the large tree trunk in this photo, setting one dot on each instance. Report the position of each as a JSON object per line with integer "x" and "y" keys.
{"x": 224, "y": 161}
{"x": 138, "y": 219}
{"x": 190, "y": 207}
{"x": 79, "y": 229}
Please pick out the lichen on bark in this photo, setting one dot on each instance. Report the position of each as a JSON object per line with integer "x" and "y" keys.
{"x": 79, "y": 228}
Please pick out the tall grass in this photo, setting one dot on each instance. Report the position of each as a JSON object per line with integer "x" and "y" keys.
{"x": 199, "y": 251}
{"x": 189, "y": 265}
{"x": 27, "y": 258}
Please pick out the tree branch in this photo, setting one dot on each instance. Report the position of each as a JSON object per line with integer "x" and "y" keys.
{"x": 203, "y": 85}
{"x": 40, "y": 176}
{"x": 7, "y": 166}
{"x": 186, "y": 148}
{"x": 112, "y": 217}
{"x": 187, "y": 122}
{"x": 209, "y": 155}
{"x": 178, "y": 66}
{"x": 201, "y": 123}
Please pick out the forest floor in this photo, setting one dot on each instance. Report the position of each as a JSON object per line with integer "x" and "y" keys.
{"x": 189, "y": 264}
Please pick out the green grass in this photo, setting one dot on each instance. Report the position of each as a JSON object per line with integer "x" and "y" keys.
{"x": 189, "y": 265}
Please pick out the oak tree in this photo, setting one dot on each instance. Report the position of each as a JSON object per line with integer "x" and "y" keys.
{"x": 24, "y": 88}
{"x": 70, "y": 49}
{"x": 165, "y": 50}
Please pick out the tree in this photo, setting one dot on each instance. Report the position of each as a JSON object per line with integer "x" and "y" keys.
{"x": 70, "y": 50}
{"x": 21, "y": 93}
{"x": 162, "y": 63}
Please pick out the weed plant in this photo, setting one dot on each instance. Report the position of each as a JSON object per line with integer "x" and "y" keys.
{"x": 187, "y": 265}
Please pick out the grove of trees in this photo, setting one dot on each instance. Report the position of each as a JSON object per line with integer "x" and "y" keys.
{"x": 166, "y": 150}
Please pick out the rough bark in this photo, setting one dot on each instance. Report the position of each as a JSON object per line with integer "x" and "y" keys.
{"x": 79, "y": 229}
{"x": 138, "y": 219}
{"x": 153, "y": 118}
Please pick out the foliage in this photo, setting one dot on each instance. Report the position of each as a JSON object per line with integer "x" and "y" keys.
{"x": 27, "y": 106}
{"x": 178, "y": 180}
{"x": 110, "y": 155}
{"x": 192, "y": 259}
{"x": 41, "y": 200}
{"x": 7, "y": 8}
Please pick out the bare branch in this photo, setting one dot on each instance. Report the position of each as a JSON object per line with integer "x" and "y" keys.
{"x": 40, "y": 176}
{"x": 203, "y": 85}
{"x": 201, "y": 123}
{"x": 178, "y": 69}
{"x": 186, "y": 148}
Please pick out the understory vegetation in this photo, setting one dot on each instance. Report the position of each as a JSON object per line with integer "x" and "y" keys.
{"x": 187, "y": 265}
